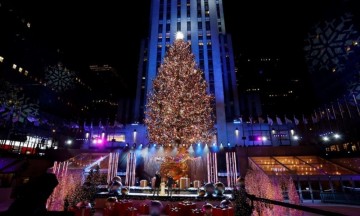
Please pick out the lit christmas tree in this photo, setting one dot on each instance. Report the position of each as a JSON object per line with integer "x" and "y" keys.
{"x": 179, "y": 111}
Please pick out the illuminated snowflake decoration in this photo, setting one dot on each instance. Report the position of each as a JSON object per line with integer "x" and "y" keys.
{"x": 15, "y": 106}
{"x": 354, "y": 88}
{"x": 59, "y": 78}
{"x": 330, "y": 44}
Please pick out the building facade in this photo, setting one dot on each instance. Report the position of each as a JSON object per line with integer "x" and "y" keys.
{"x": 202, "y": 23}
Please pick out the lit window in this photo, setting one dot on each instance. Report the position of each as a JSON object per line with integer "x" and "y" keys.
{"x": 1, "y": 59}
{"x": 26, "y": 72}
{"x": 14, "y": 66}
{"x": 20, "y": 69}
{"x": 142, "y": 87}
{"x": 28, "y": 25}
{"x": 143, "y": 78}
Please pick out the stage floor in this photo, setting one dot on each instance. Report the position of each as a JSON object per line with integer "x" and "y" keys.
{"x": 150, "y": 195}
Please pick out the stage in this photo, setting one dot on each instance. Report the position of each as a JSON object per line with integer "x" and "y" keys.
{"x": 141, "y": 195}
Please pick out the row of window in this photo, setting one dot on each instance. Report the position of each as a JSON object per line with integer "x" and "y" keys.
{"x": 188, "y": 9}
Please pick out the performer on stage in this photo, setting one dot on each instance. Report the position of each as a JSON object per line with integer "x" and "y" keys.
{"x": 157, "y": 183}
{"x": 170, "y": 183}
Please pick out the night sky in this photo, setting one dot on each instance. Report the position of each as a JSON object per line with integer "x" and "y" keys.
{"x": 100, "y": 32}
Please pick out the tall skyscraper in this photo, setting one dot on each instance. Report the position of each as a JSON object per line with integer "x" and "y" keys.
{"x": 202, "y": 23}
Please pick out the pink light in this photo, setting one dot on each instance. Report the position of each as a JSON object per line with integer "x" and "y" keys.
{"x": 100, "y": 141}
{"x": 259, "y": 138}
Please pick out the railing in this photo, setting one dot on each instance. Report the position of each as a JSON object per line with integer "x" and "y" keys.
{"x": 293, "y": 206}
{"x": 343, "y": 198}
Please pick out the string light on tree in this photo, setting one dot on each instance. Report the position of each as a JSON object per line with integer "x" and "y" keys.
{"x": 179, "y": 111}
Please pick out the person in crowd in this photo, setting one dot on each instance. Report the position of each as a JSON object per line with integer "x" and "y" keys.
{"x": 115, "y": 188}
{"x": 170, "y": 183}
{"x": 116, "y": 178}
{"x": 157, "y": 183}
{"x": 155, "y": 208}
{"x": 207, "y": 209}
{"x": 31, "y": 200}
{"x": 226, "y": 203}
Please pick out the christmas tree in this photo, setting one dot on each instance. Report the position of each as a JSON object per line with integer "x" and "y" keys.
{"x": 179, "y": 110}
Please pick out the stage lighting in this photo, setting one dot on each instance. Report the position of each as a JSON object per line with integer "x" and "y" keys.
{"x": 296, "y": 137}
{"x": 68, "y": 142}
{"x": 325, "y": 138}
{"x": 292, "y": 131}
{"x": 199, "y": 144}
{"x": 264, "y": 138}
{"x": 87, "y": 135}
{"x": 228, "y": 144}
{"x": 337, "y": 136}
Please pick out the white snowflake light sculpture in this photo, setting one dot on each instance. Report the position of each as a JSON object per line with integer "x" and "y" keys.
{"x": 59, "y": 78}
{"x": 15, "y": 106}
{"x": 328, "y": 46}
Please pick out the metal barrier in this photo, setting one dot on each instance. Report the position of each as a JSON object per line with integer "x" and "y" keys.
{"x": 293, "y": 206}
{"x": 343, "y": 198}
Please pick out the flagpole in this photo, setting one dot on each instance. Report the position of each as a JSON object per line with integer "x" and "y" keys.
{"x": 328, "y": 117}
{"x": 356, "y": 104}
{"x": 336, "y": 121}
{"x": 347, "y": 106}
{"x": 341, "y": 111}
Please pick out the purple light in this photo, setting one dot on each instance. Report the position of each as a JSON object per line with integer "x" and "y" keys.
{"x": 259, "y": 138}
{"x": 98, "y": 141}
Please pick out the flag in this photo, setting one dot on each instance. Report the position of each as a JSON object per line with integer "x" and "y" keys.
{"x": 321, "y": 114}
{"x": 287, "y": 121}
{"x": 296, "y": 121}
{"x": 270, "y": 121}
{"x": 305, "y": 121}
{"x": 261, "y": 120}
{"x": 278, "y": 121}
{"x": 118, "y": 124}
{"x": 314, "y": 119}
{"x": 2, "y": 108}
